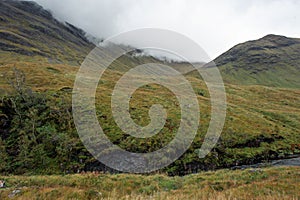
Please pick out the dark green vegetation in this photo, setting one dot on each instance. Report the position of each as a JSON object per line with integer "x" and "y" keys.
{"x": 39, "y": 60}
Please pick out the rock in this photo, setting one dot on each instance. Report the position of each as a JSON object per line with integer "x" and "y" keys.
{"x": 287, "y": 162}
{"x": 14, "y": 193}
{"x": 254, "y": 170}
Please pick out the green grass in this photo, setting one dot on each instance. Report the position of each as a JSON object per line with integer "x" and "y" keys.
{"x": 272, "y": 61}
{"x": 262, "y": 122}
{"x": 27, "y": 31}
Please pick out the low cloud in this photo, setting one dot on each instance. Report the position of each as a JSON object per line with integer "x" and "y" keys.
{"x": 215, "y": 25}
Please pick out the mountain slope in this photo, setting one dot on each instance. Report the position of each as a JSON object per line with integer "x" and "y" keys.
{"x": 26, "y": 29}
{"x": 37, "y": 133}
{"x": 272, "y": 61}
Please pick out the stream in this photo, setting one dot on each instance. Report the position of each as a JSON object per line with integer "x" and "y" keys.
{"x": 290, "y": 161}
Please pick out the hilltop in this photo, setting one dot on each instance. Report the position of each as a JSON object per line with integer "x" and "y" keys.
{"x": 273, "y": 60}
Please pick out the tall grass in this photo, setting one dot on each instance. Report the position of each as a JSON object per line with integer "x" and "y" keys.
{"x": 268, "y": 183}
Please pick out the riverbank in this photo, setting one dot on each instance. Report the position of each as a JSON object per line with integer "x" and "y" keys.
{"x": 265, "y": 183}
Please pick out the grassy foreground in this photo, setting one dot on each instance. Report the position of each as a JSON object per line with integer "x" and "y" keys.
{"x": 267, "y": 183}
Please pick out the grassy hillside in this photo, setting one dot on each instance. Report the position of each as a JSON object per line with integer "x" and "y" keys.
{"x": 36, "y": 78}
{"x": 270, "y": 184}
{"x": 272, "y": 61}
{"x": 262, "y": 122}
{"x": 29, "y": 30}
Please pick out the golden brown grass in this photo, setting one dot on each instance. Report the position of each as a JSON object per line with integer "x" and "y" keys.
{"x": 252, "y": 111}
{"x": 268, "y": 183}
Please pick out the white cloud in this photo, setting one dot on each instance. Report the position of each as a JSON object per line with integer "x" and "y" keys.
{"x": 215, "y": 25}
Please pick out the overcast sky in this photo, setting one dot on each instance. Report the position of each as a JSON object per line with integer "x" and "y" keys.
{"x": 214, "y": 25}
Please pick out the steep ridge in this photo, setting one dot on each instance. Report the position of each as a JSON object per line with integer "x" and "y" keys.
{"x": 29, "y": 30}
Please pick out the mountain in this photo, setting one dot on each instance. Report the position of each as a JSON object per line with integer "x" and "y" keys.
{"x": 26, "y": 29}
{"x": 272, "y": 61}
{"x": 39, "y": 59}
{"x": 29, "y": 32}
